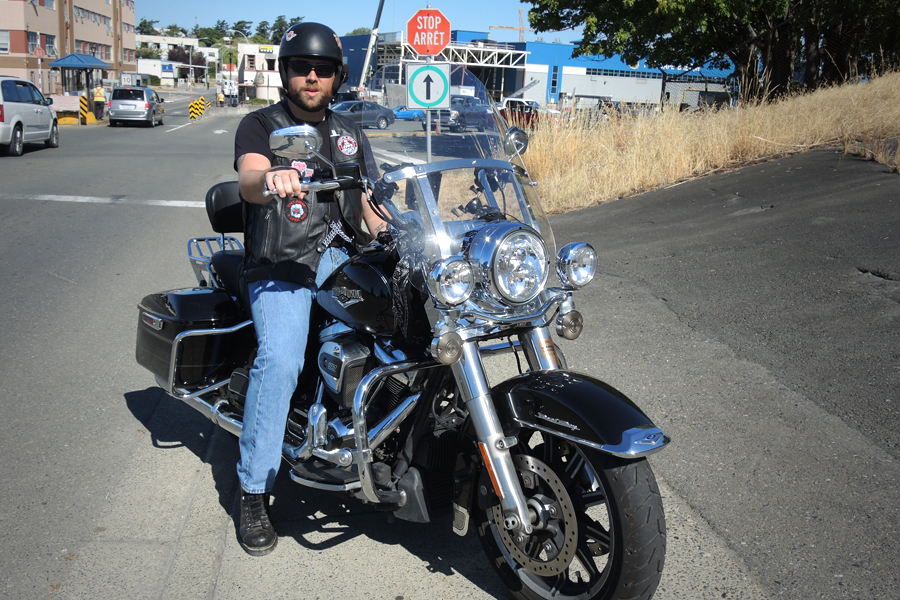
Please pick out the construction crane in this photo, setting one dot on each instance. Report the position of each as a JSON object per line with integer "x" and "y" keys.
{"x": 520, "y": 28}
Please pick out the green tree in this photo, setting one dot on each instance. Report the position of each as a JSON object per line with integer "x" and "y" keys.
{"x": 223, "y": 27}
{"x": 765, "y": 41}
{"x": 148, "y": 52}
{"x": 262, "y": 30}
{"x": 360, "y": 31}
{"x": 243, "y": 27}
{"x": 146, "y": 27}
{"x": 281, "y": 24}
{"x": 174, "y": 30}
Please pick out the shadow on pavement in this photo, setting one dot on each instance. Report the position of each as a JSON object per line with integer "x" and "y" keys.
{"x": 302, "y": 513}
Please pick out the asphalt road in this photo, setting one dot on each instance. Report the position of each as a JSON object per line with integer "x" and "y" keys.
{"x": 752, "y": 314}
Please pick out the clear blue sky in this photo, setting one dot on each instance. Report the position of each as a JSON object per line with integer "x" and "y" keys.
{"x": 345, "y": 15}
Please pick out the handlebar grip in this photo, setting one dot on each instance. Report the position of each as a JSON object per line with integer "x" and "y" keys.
{"x": 313, "y": 186}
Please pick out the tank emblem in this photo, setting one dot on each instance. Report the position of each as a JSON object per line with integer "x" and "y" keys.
{"x": 346, "y": 296}
{"x": 347, "y": 145}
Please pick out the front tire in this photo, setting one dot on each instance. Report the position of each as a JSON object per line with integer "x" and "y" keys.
{"x": 16, "y": 143}
{"x": 604, "y": 534}
{"x": 53, "y": 140}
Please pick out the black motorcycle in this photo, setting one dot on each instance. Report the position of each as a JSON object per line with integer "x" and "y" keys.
{"x": 395, "y": 406}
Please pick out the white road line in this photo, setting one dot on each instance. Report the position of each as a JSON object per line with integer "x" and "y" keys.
{"x": 400, "y": 158}
{"x": 179, "y": 127}
{"x": 102, "y": 200}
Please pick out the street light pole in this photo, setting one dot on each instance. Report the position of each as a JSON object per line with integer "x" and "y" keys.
{"x": 236, "y": 51}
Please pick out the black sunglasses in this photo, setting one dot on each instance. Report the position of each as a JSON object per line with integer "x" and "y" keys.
{"x": 303, "y": 68}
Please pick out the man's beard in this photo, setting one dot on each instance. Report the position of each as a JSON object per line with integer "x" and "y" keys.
{"x": 316, "y": 104}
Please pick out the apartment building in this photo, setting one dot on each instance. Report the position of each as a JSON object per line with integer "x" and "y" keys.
{"x": 104, "y": 29}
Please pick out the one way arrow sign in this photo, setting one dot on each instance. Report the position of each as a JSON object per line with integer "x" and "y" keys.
{"x": 428, "y": 85}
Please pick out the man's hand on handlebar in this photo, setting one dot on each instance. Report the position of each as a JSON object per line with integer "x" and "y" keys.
{"x": 283, "y": 182}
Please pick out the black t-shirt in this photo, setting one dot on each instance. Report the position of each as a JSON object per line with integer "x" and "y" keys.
{"x": 253, "y": 137}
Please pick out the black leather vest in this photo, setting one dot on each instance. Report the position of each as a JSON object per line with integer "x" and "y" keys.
{"x": 281, "y": 237}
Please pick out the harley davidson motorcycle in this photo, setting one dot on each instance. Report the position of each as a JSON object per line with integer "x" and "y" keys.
{"x": 395, "y": 405}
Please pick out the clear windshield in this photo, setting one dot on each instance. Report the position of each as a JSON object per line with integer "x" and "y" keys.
{"x": 471, "y": 179}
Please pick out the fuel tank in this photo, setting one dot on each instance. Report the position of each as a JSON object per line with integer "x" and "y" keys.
{"x": 359, "y": 293}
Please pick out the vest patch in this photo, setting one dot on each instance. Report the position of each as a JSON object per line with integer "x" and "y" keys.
{"x": 301, "y": 166}
{"x": 296, "y": 210}
{"x": 347, "y": 145}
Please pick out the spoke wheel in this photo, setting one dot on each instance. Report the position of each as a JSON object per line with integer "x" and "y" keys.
{"x": 599, "y": 528}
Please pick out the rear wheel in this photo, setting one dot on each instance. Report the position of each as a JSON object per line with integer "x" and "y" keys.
{"x": 599, "y": 528}
{"x": 382, "y": 123}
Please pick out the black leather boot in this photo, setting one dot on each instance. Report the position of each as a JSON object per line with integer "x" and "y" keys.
{"x": 256, "y": 533}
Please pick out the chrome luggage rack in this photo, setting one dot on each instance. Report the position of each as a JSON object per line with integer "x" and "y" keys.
{"x": 200, "y": 253}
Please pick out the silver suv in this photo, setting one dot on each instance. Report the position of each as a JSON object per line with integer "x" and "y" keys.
{"x": 135, "y": 104}
{"x": 25, "y": 116}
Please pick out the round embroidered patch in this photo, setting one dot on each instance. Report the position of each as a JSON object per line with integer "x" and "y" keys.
{"x": 296, "y": 210}
{"x": 347, "y": 145}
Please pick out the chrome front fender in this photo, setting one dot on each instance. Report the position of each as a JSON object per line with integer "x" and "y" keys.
{"x": 578, "y": 408}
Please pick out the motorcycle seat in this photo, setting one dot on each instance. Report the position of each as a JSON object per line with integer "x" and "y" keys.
{"x": 224, "y": 208}
{"x": 227, "y": 265}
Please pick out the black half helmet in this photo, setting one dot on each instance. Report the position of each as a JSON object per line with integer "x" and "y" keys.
{"x": 314, "y": 40}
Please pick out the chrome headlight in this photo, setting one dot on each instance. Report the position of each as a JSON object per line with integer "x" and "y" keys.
{"x": 519, "y": 267}
{"x": 451, "y": 281}
{"x": 576, "y": 264}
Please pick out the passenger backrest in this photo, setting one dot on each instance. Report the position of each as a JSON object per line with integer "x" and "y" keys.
{"x": 223, "y": 206}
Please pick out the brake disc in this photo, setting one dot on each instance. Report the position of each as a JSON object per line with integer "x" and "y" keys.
{"x": 548, "y": 550}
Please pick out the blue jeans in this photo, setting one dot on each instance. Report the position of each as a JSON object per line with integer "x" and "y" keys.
{"x": 281, "y": 317}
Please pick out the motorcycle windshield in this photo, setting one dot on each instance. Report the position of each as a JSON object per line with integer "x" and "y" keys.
{"x": 473, "y": 175}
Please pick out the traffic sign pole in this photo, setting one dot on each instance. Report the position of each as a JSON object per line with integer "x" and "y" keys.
{"x": 428, "y": 32}
{"x": 428, "y": 60}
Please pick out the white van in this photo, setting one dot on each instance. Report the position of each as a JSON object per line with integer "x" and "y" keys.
{"x": 25, "y": 116}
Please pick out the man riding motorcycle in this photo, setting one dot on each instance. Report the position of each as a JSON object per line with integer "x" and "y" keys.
{"x": 294, "y": 240}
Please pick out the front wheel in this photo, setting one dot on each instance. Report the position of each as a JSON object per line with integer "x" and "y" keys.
{"x": 599, "y": 528}
{"x": 53, "y": 140}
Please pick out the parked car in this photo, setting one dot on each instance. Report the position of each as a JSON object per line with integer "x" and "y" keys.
{"x": 343, "y": 97}
{"x": 365, "y": 113}
{"x": 464, "y": 111}
{"x": 25, "y": 116}
{"x": 408, "y": 114}
{"x": 135, "y": 104}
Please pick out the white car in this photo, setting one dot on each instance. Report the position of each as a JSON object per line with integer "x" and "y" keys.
{"x": 25, "y": 116}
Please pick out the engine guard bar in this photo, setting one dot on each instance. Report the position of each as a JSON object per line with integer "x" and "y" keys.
{"x": 362, "y": 455}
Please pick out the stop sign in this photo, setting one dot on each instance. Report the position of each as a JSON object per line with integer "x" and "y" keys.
{"x": 428, "y": 32}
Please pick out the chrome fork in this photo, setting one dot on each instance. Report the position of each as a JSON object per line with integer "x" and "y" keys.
{"x": 494, "y": 446}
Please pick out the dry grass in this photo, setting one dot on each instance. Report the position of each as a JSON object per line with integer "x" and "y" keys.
{"x": 580, "y": 163}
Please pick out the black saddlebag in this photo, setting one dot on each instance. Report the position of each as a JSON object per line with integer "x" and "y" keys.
{"x": 167, "y": 323}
